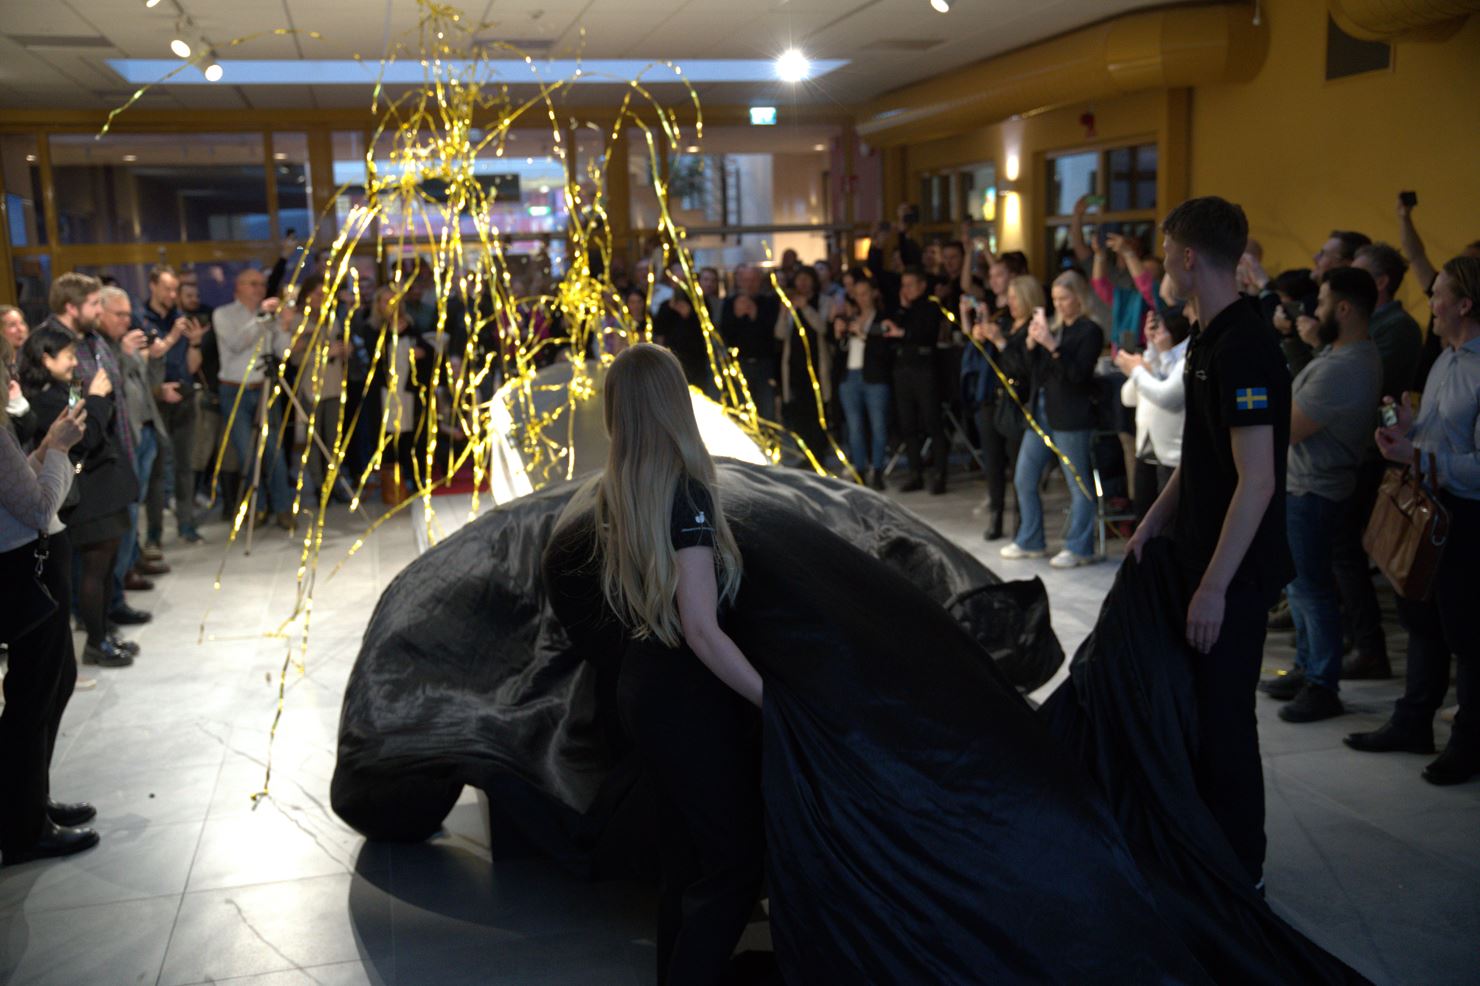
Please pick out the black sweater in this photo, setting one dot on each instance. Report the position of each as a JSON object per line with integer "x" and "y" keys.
{"x": 1068, "y": 378}
{"x": 107, "y": 483}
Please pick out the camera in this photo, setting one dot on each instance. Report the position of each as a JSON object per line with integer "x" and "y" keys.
{"x": 1409, "y": 199}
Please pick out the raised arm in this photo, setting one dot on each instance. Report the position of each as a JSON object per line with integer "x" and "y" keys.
{"x": 698, "y": 608}
{"x": 1418, "y": 258}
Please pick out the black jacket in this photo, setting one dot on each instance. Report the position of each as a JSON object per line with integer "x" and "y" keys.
{"x": 1068, "y": 379}
{"x": 754, "y": 338}
{"x": 107, "y": 483}
{"x": 685, "y": 338}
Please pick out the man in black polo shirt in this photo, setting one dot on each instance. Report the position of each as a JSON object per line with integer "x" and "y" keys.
{"x": 916, "y": 328}
{"x": 1225, "y": 509}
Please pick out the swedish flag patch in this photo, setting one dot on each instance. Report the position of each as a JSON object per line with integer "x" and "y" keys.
{"x": 1251, "y": 399}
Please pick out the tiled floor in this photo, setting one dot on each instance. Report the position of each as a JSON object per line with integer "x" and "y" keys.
{"x": 193, "y": 884}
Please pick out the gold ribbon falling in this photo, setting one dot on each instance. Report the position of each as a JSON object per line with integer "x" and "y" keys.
{"x": 462, "y": 112}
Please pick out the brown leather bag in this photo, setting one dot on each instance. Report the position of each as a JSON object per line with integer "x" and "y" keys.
{"x": 1408, "y": 528}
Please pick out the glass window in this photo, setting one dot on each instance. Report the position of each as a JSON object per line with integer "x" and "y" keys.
{"x": 26, "y": 224}
{"x": 349, "y": 173}
{"x": 129, "y": 188}
{"x": 1069, "y": 177}
{"x": 979, "y": 193}
{"x": 1132, "y": 178}
{"x": 32, "y": 282}
{"x": 294, "y": 184}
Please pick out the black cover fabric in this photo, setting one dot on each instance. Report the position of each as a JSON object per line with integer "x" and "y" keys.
{"x": 924, "y": 824}
{"x": 467, "y": 677}
{"x": 1127, "y": 714}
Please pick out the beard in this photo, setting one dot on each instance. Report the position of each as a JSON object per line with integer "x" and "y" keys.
{"x": 1328, "y": 331}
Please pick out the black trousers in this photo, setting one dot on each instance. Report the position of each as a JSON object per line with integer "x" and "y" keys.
{"x": 43, "y": 669}
{"x": 1230, "y": 777}
{"x": 917, "y": 393}
{"x": 700, "y": 742}
{"x": 179, "y": 431}
{"x": 1360, "y": 613}
{"x": 1444, "y": 625}
{"x": 999, "y": 452}
{"x": 1151, "y": 479}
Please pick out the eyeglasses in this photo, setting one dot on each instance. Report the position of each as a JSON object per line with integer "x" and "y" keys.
{"x": 120, "y": 313}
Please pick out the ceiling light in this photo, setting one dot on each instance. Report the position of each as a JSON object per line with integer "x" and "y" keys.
{"x": 151, "y": 4}
{"x": 941, "y": 6}
{"x": 214, "y": 71}
{"x": 180, "y": 47}
{"x": 279, "y": 155}
{"x": 819, "y": 147}
{"x": 31, "y": 158}
{"x": 691, "y": 149}
{"x": 544, "y": 189}
{"x": 131, "y": 157}
{"x": 793, "y": 66}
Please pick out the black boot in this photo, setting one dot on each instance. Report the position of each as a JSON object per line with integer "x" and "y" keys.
{"x": 1392, "y": 739}
{"x": 1366, "y": 667}
{"x": 1457, "y": 764}
{"x": 55, "y": 841}
{"x": 1313, "y": 703}
{"x": 1285, "y": 686}
{"x": 105, "y": 655}
{"x": 70, "y": 815}
{"x": 915, "y": 482}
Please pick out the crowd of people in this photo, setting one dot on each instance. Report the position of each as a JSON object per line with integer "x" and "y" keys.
{"x": 925, "y": 349}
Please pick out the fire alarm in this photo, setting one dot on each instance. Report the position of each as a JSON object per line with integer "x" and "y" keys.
{"x": 1087, "y": 120}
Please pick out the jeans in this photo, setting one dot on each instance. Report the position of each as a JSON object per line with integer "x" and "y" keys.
{"x": 128, "y": 552}
{"x": 867, "y": 440}
{"x": 1315, "y": 606}
{"x": 179, "y": 435}
{"x": 1033, "y": 458}
{"x": 273, "y": 485}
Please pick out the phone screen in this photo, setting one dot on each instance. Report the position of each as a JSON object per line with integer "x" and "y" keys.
{"x": 74, "y": 395}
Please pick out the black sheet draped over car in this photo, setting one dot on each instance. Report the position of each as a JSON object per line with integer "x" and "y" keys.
{"x": 924, "y": 823}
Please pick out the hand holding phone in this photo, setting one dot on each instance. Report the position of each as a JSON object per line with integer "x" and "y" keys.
{"x": 1389, "y": 416}
{"x": 74, "y": 394}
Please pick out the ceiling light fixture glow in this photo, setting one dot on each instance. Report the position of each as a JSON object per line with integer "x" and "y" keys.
{"x": 941, "y": 6}
{"x": 180, "y": 47}
{"x": 151, "y": 4}
{"x": 213, "y": 71}
{"x": 131, "y": 157}
{"x": 793, "y": 66}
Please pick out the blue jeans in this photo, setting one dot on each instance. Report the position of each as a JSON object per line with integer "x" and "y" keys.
{"x": 274, "y": 483}
{"x": 866, "y": 445}
{"x": 1315, "y": 604}
{"x": 1033, "y": 459}
{"x": 128, "y": 550}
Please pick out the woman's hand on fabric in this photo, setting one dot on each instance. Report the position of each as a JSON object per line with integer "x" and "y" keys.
{"x": 100, "y": 385}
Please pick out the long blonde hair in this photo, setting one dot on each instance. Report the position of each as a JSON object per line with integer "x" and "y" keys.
{"x": 1090, "y": 305}
{"x": 1028, "y": 291}
{"x": 655, "y": 447}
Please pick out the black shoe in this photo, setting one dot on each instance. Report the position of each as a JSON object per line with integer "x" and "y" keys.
{"x": 70, "y": 815}
{"x": 1280, "y": 618}
{"x": 1454, "y": 766}
{"x": 1391, "y": 739}
{"x": 126, "y": 616}
{"x": 190, "y": 535}
{"x": 993, "y": 533}
{"x": 1366, "y": 667}
{"x": 1283, "y": 687}
{"x": 55, "y": 841}
{"x": 127, "y": 646}
{"x": 876, "y": 480}
{"x": 937, "y": 486}
{"x": 1314, "y": 703}
{"x": 912, "y": 484}
{"x": 105, "y": 655}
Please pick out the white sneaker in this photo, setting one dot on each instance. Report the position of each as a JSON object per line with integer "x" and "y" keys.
{"x": 1068, "y": 559}
{"x": 1011, "y": 550}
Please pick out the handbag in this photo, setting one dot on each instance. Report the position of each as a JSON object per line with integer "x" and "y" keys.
{"x": 1408, "y": 529}
{"x": 28, "y": 602}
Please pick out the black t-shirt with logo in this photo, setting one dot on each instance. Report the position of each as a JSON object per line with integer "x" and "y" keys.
{"x": 1236, "y": 378}
{"x": 692, "y": 524}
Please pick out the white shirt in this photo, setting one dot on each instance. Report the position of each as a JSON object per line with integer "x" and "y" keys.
{"x": 1157, "y": 393}
{"x": 241, "y": 337}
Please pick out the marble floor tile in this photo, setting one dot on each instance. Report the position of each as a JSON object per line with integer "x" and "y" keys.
{"x": 119, "y": 944}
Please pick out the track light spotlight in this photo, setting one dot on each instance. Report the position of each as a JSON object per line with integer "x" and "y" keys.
{"x": 213, "y": 70}
{"x": 941, "y": 6}
{"x": 180, "y": 47}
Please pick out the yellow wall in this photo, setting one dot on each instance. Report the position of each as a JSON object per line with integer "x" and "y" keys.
{"x": 1304, "y": 156}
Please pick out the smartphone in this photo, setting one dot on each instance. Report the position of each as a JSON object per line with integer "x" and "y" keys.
{"x": 74, "y": 395}
{"x": 1389, "y": 415}
{"x": 1410, "y": 199}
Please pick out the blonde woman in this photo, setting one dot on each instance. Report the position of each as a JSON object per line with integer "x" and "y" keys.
{"x": 668, "y": 564}
{"x": 1062, "y": 356}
